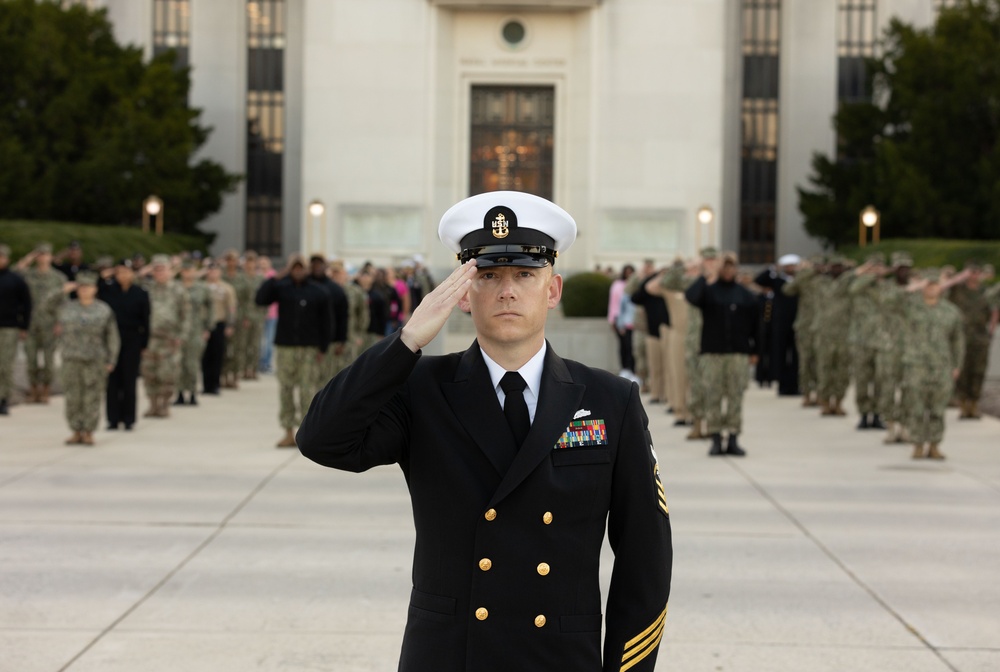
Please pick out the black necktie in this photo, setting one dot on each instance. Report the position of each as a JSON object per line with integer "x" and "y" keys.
{"x": 514, "y": 406}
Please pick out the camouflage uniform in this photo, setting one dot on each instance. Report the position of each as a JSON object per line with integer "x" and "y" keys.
{"x": 8, "y": 352}
{"x": 724, "y": 377}
{"x": 249, "y": 325}
{"x": 933, "y": 348}
{"x": 864, "y": 336}
{"x": 194, "y": 343}
{"x": 297, "y": 368}
{"x": 831, "y": 325}
{"x": 232, "y": 365}
{"x": 358, "y": 319}
{"x": 975, "y": 309}
{"x": 89, "y": 345}
{"x": 804, "y": 285}
{"x": 169, "y": 323}
{"x": 41, "y": 337}
{"x": 893, "y": 299}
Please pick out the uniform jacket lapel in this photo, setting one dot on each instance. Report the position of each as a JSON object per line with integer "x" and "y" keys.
{"x": 474, "y": 401}
{"x": 558, "y": 400}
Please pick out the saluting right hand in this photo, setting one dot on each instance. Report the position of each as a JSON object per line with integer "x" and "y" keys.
{"x": 430, "y": 316}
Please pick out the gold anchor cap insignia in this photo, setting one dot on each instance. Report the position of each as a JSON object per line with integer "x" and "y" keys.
{"x": 500, "y": 228}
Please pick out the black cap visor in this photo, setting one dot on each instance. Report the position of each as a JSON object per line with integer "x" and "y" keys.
{"x": 531, "y": 256}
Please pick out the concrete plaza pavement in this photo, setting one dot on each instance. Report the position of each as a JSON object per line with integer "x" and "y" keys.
{"x": 193, "y": 544}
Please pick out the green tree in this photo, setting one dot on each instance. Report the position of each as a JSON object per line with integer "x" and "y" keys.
{"x": 925, "y": 151}
{"x": 88, "y": 130}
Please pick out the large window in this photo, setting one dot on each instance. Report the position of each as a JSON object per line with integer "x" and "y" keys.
{"x": 511, "y": 140}
{"x": 265, "y": 124}
{"x": 759, "y": 116}
{"x": 856, "y": 42}
{"x": 172, "y": 29}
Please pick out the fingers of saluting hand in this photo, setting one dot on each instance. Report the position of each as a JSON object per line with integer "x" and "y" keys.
{"x": 430, "y": 316}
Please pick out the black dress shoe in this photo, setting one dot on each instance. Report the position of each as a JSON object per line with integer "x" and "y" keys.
{"x": 877, "y": 423}
{"x": 128, "y": 427}
{"x": 863, "y": 424}
{"x": 180, "y": 399}
{"x": 680, "y": 423}
{"x": 113, "y": 428}
{"x": 3, "y": 407}
{"x": 733, "y": 448}
{"x": 193, "y": 401}
{"x": 716, "y": 448}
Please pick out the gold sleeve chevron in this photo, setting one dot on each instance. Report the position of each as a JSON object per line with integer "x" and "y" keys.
{"x": 643, "y": 644}
{"x": 662, "y": 498}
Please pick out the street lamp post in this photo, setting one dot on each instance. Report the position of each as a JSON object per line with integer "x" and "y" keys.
{"x": 705, "y": 217}
{"x": 317, "y": 213}
{"x": 152, "y": 207}
{"x": 870, "y": 218}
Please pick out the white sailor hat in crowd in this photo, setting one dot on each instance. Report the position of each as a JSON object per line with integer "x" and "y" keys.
{"x": 789, "y": 260}
{"x": 507, "y": 228}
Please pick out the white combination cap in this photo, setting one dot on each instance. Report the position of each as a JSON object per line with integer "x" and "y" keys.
{"x": 789, "y": 260}
{"x": 507, "y": 228}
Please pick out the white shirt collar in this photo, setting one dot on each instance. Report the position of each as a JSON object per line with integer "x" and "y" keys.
{"x": 531, "y": 372}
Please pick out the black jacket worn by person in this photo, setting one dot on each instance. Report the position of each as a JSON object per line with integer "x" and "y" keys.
{"x": 506, "y": 563}
{"x": 784, "y": 355}
{"x": 338, "y": 307}
{"x": 15, "y": 301}
{"x": 656, "y": 307}
{"x": 131, "y": 309}
{"x": 303, "y": 312}
{"x": 729, "y": 316}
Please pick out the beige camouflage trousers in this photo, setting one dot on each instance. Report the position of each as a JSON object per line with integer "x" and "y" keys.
{"x": 8, "y": 351}
{"x": 191, "y": 353}
{"x": 867, "y": 392}
{"x": 926, "y": 398}
{"x": 83, "y": 382}
{"x": 297, "y": 371}
{"x": 161, "y": 363}
{"x": 889, "y": 369}
{"x": 805, "y": 344}
{"x": 725, "y": 379}
{"x": 41, "y": 341}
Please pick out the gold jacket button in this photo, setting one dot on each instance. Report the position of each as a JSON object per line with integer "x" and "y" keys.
{"x": 485, "y": 564}
{"x": 543, "y": 568}
{"x": 482, "y": 614}
{"x": 547, "y": 517}
{"x": 491, "y": 514}
{"x": 539, "y": 620}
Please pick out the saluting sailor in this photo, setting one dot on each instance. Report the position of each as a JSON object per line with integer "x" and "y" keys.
{"x": 515, "y": 459}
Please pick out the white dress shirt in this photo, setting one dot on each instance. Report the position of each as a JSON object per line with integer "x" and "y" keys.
{"x": 531, "y": 372}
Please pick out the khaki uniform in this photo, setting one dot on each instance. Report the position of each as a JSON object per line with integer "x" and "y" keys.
{"x": 41, "y": 341}
{"x": 89, "y": 344}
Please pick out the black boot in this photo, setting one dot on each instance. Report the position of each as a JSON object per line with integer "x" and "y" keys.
{"x": 180, "y": 399}
{"x": 716, "y": 448}
{"x": 864, "y": 421}
{"x": 733, "y": 448}
{"x": 3, "y": 407}
{"x": 876, "y": 423}
{"x": 193, "y": 401}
